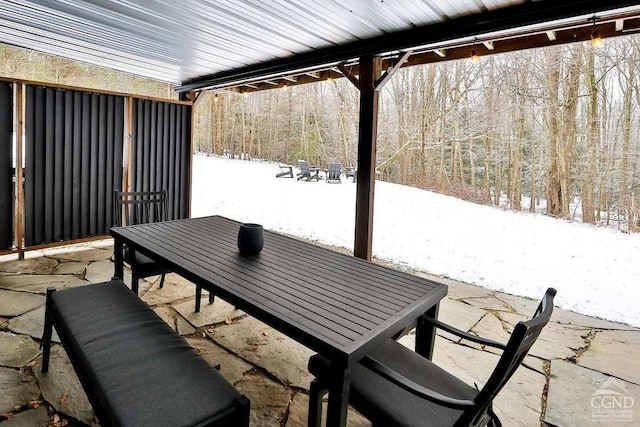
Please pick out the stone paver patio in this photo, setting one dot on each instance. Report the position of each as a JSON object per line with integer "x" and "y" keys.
{"x": 583, "y": 371}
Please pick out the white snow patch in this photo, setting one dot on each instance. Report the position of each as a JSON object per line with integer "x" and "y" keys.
{"x": 595, "y": 270}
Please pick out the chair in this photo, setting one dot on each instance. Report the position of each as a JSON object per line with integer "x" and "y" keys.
{"x": 334, "y": 172}
{"x": 395, "y": 386}
{"x": 305, "y": 171}
{"x": 286, "y": 171}
{"x": 350, "y": 172}
{"x": 141, "y": 207}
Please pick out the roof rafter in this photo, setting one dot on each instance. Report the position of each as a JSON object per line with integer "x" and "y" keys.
{"x": 509, "y": 18}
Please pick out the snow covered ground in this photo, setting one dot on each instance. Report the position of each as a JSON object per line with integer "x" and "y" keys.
{"x": 595, "y": 270}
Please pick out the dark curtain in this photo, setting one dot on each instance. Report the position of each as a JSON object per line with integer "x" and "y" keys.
{"x": 73, "y": 163}
{"x": 161, "y": 152}
{"x": 7, "y": 187}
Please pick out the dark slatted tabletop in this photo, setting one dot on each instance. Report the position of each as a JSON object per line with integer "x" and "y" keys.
{"x": 335, "y": 304}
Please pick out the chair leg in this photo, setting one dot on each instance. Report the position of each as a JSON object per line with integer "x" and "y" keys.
{"x": 212, "y": 298}
{"x": 316, "y": 391}
{"x": 45, "y": 343}
{"x": 162, "y": 281}
{"x": 198, "y": 297}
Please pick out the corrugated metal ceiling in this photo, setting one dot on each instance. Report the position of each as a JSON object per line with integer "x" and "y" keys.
{"x": 178, "y": 41}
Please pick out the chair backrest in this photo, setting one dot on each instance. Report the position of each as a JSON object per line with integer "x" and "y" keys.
{"x": 522, "y": 339}
{"x": 139, "y": 207}
{"x": 304, "y": 167}
{"x": 282, "y": 166}
{"x": 335, "y": 170}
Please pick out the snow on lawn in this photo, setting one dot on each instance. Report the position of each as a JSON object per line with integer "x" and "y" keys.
{"x": 595, "y": 270}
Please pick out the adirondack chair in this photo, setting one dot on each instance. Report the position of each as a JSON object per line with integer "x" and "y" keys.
{"x": 305, "y": 171}
{"x": 396, "y": 387}
{"x": 286, "y": 171}
{"x": 334, "y": 172}
{"x": 350, "y": 172}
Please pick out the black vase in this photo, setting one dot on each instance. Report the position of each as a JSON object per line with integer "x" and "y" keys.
{"x": 250, "y": 239}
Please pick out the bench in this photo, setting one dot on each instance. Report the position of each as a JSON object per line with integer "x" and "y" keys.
{"x": 135, "y": 370}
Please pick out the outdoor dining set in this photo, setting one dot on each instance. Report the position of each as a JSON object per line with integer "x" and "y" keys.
{"x": 347, "y": 310}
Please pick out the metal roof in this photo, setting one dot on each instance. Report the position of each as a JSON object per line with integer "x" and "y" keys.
{"x": 209, "y": 44}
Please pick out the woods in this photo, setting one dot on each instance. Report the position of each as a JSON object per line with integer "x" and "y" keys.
{"x": 553, "y": 130}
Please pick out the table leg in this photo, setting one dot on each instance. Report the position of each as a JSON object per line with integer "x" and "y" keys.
{"x": 338, "y": 398}
{"x": 317, "y": 390}
{"x": 118, "y": 267}
{"x": 426, "y": 334}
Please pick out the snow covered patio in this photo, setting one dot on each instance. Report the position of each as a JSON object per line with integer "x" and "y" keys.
{"x": 576, "y": 360}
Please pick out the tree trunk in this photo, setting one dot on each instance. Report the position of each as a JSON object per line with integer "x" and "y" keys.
{"x": 627, "y": 115}
{"x": 571, "y": 90}
{"x": 554, "y": 189}
{"x": 588, "y": 207}
{"x": 515, "y": 156}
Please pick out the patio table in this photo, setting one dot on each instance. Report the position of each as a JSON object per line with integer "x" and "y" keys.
{"x": 337, "y": 305}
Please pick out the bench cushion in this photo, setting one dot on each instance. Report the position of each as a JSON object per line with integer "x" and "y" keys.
{"x": 135, "y": 369}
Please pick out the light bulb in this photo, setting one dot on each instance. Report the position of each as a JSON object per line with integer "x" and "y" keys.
{"x": 596, "y": 40}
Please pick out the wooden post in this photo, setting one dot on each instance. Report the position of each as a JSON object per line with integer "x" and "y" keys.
{"x": 128, "y": 157}
{"x": 19, "y": 209}
{"x": 370, "y": 71}
{"x": 190, "y": 97}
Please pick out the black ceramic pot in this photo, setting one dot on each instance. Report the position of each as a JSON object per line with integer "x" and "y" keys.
{"x": 250, "y": 239}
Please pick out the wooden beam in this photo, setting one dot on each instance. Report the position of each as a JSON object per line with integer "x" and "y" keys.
{"x": 84, "y": 89}
{"x": 519, "y": 15}
{"x": 190, "y": 162}
{"x": 549, "y": 37}
{"x": 19, "y": 123}
{"x": 370, "y": 71}
{"x": 65, "y": 243}
{"x": 348, "y": 74}
{"x": 127, "y": 169}
{"x": 391, "y": 71}
{"x": 197, "y": 95}
{"x": 488, "y": 45}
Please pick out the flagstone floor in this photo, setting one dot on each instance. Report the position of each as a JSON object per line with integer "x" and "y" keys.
{"x": 578, "y": 362}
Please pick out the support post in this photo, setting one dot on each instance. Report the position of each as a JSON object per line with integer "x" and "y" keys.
{"x": 370, "y": 71}
{"x": 19, "y": 208}
{"x": 128, "y": 147}
{"x": 191, "y": 97}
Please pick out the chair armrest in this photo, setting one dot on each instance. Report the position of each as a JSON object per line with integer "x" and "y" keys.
{"x": 462, "y": 334}
{"x": 412, "y": 387}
